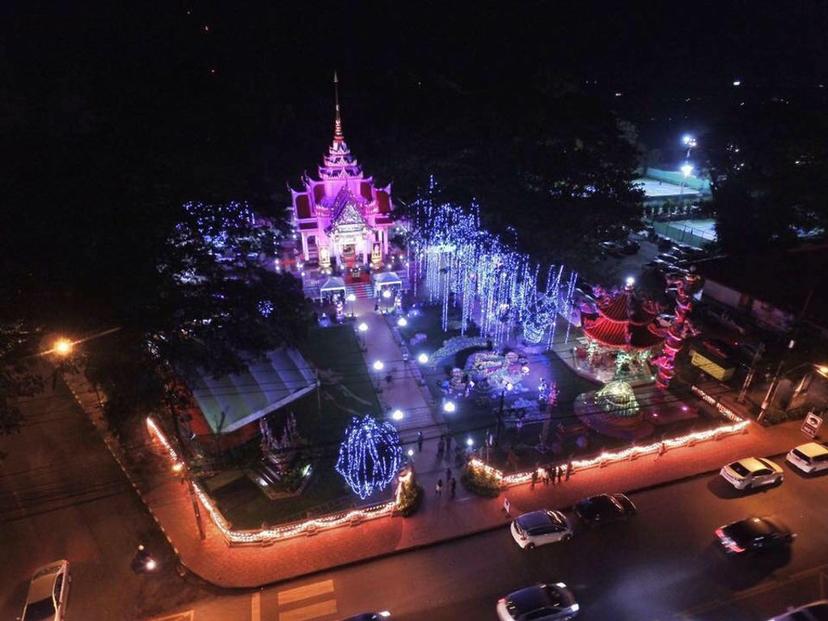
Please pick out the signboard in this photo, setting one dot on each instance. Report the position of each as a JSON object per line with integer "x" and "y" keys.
{"x": 376, "y": 254}
{"x": 711, "y": 368}
{"x": 811, "y": 424}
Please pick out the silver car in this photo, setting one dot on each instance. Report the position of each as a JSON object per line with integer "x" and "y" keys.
{"x": 48, "y": 593}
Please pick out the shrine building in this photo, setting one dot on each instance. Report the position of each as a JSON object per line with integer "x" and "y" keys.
{"x": 342, "y": 217}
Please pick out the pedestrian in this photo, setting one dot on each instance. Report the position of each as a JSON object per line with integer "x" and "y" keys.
{"x": 534, "y": 478}
{"x": 453, "y": 487}
{"x": 419, "y": 441}
{"x": 560, "y": 474}
{"x": 448, "y": 474}
{"x": 569, "y": 467}
{"x": 439, "y": 487}
{"x": 546, "y": 476}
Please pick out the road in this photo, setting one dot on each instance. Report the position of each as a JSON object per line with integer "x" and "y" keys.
{"x": 661, "y": 565}
{"x": 62, "y": 495}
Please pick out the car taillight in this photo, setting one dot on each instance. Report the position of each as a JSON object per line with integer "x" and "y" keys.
{"x": 728, "y": 543}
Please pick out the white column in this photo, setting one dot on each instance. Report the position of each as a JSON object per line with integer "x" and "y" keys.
{"x": 385, "y": 242}
{"x": 365, "y": 251}
{"x": 305, "y": 248}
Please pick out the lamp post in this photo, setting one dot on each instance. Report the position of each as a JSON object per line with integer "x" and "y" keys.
{"x": 350, "y": 298}
{"x": 378, "y": 366}
{"x": 507, "y": 388}
{"x": 362, "y": 328}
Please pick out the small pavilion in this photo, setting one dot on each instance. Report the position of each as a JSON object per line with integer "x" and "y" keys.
{"x": 621, "y": 336}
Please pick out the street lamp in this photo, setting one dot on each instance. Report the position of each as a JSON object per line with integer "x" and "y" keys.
{"x": 422, "y": 358}
{"x": 449, "y": 407}
{"x": 378, "y": 365}
{"x": 686, "y": 170}
{"x": 63, "y": 347}
{"x": 397, "y": 414}
{"x": 351, "y": 298}
{"x": 402, "y": 322}
{"x": 469, "y": 442}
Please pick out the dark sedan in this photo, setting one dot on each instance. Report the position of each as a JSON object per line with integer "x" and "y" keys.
{"x": 604, "y": 508}
{"x": 753, "y": 535}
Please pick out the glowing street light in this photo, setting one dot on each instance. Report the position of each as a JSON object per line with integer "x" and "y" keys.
{"x": 351, "y": 297}
{"x": 630, "y": 282}
{"x": 469, "y": 442}
{"x": 363, "y": 327}
{"x": 402, "y": 322}
{"x": 686, "y": 170}
{"x": 688, "y": 140}
{"x": 378, "y": 365}
{"x": 510, "y": 386}
{"x": 422, "y": 358}
{"x": 449, "y": 407}
{"x": 397, "y": 414}
{"x": 386, "y": 293}
{"x": 63, "y": 347}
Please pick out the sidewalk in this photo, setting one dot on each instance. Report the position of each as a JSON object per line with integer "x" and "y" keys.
{"x": 439, "y": 518}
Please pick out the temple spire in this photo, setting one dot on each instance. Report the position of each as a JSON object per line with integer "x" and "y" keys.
{"x": 338, "y": 135}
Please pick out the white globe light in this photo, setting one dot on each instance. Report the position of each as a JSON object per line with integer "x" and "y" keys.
{"x": 386, "y": 293}
{"x": 422, "y": 358}
{"x": 351, "y": 297}
{"x": 378, "y": 365}
{"x": 402, "y": 322}
{"x": 363, "y": 327}
{"x": 411, "y": 452}
{"x": 397, "y": 414}
{"x": 630, "y": 281}
{"x": 509, "y": 386}
{"x": 469, "y": 442}
{"x": 449, "y": 407}
{"x": 687, "y": 170}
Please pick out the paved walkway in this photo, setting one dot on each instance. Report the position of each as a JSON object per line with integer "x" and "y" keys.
{"x": 440, "y": 518}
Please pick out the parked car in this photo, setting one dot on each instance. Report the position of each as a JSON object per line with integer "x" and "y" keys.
{"x": 815, "y": 611}
{"x": 752, "y": 472}
{"x": 370, "y": 616}
{"x": 668, "y": 257}
{"x": 810, "y": 457}
{"x": 604, "y": 508}
{"x": 48, "y": 593}
{"x": 665, "y": 244}
{"x": 630, "y": 247}
{"x": 753, "y": 534}
{"x": 537, "y": 528}
{"x": 613, "y": 249}
{"x": 541, "y": 602}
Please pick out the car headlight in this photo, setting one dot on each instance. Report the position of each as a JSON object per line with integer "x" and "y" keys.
{"x": 575, "y": 607}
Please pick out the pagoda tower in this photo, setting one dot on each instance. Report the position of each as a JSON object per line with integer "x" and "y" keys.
{"x": 624, "y": 322}
{"x": 342, "y": 215}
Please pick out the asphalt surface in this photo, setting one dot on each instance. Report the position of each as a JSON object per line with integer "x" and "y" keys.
{"x": 660, "y": 565}
{"x": 62, "y": 495}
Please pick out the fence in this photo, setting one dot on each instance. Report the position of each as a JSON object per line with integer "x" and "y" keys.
{"x": 684, "y": 233}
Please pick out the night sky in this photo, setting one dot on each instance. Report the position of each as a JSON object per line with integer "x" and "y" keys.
{"x": 195, "y": 87}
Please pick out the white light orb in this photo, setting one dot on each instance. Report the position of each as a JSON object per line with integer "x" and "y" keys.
{"x": 363, "y": 327}
{"x": 386, "y": 293}
{"x": 351, "y": 297}
{"x": 422, "y": 358}
{"x": 378, "y": 365}
{"x": 397, "y": 414}
{"x": 469, "y": 442}
{"x": 402, "y": 322}
{"x": 449, "y": 407}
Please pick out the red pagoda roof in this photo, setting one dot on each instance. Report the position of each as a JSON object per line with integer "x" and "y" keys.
{"x": 624, "y": 322}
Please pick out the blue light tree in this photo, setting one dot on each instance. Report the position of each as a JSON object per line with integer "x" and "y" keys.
{"x": 370, "y": 456}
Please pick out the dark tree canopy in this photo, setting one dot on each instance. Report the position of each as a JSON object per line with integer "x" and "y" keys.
{"x": 766, "y": 162}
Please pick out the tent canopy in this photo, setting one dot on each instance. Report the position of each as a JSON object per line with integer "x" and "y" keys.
{"x": 334, "y": 283}
{"x": 265, "y": 385}
{"x": 386, "y": 279}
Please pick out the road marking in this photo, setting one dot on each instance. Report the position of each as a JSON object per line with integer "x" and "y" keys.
{"x": 312, "y": 611}
{"x": 305, "y": 592}
{"x": 187, "y": 615}
{"x": 256, "y": 606}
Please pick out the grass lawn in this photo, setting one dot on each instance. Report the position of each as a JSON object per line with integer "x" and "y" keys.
{"x": 346, "y": 391}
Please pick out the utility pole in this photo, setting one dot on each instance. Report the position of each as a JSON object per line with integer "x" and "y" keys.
{"x": 751, "y": 372}
{"x": 773, "y": 385}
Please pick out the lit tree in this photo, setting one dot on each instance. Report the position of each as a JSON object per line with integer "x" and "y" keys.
{"x": 370, "y": 455}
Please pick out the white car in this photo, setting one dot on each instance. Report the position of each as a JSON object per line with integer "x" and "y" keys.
{"x": 752, "y": 472}
{"x": 811, "y": 457}
{"x": 815, "y": 611}
{"x": 541, "y": 527}
{"x": 48, "y": 592}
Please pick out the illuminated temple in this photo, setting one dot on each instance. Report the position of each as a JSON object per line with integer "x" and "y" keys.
{"x": 342, "y": 218}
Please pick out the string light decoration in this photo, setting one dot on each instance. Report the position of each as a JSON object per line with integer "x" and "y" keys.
{"x": 680, "y": 328}
{"x": 461, "y": 265}
{"x": 386, "y": 509}
{"x": 370, "y": 456}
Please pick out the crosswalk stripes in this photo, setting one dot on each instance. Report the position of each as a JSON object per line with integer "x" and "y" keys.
{"x": 187, "y": 615}
{"x": 324, "y": 604}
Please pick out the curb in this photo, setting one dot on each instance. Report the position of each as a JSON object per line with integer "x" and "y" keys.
{"x": 451, "y": 539}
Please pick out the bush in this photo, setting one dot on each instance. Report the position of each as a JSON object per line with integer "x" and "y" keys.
{"x": 410, "y": 499}
{"x": 480, "y": 482}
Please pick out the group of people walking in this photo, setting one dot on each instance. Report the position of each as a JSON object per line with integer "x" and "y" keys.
{"x": 555, "y": 474}
{"x": 451, "y": 483}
